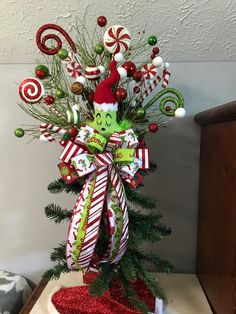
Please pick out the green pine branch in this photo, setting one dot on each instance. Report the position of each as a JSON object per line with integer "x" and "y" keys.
{"x": 138, "y": 199}
{"x": 56, "y": 213}
{"x": 60, "y": 185}
{"x": 56, "y": 271}
{"x": 103, "y": 281}
{"x": 152, "y": 168}
{"x": 58, "y": 253}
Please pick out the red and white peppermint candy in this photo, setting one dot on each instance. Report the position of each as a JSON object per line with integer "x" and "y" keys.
{"x": 117, "y": 39}
{"x": 31, "y": 90}
{"x": 74, "y": 69}
{"x": 149, "y": 71}
{"x": 92, "y": 72}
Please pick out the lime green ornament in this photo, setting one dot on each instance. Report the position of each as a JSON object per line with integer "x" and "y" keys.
{"x": 41, "y": 71}
{"x": 140, "y": 113}
{"x": 19, "y": 132}
{"x": 60, "y": 93}
{"x": 152, "y": 40}
{"x": 63, "y": 54}
{"x": 99, "y": 48}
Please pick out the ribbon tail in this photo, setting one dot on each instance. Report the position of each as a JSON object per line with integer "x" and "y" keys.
{"x": 121, "y": 236}
{"x": 75, "y": 223}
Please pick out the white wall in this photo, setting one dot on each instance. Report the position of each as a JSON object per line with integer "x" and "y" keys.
{"x": 27, "y": 236}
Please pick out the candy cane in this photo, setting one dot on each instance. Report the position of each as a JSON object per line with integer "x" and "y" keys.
{"x": 166, "y": 76}
{"x": 45, "y": 127}
{"x": 41, "y": 42}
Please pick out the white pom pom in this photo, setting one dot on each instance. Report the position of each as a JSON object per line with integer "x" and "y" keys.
{"x": 122, "y": 71}
{"x": 43, "y": 139}
{"x": 81, "y": 79}
{"x": 180, "y": 112}
{"x": 166, "y": 65}
{"x": 119, "y": 56}
{"x": 102, "y": 69}
{"x": 157, "y": 61}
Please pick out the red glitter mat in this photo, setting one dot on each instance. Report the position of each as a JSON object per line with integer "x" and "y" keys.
{"x": 78, "y": 300}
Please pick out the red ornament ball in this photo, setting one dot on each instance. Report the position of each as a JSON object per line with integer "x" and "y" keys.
{"x": 155, "y": 50}
{"x": 136, "y": 89}
{"x": 102, "y": 21}
{"x": 137, "y": 76}
{"x": 153, "y": 127}
{"x": 168, "y": 108}
{"x": 130, "y": 68}
{"x": 120, "y": 93}
{"x": 72, "y": 131}
{"x": 41, "y": 71}
{"x": 91, "y": 96}
{"x": 49, "y": 100}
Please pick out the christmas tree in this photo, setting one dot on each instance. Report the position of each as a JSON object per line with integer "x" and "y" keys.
{"x": 98, "y": 102}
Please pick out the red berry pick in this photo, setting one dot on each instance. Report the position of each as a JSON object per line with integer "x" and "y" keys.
{"x": 102, "y": 21}
{"x": 153, "y": 127}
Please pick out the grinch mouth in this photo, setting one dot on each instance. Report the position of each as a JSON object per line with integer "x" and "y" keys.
{"x": 103, "y": 129}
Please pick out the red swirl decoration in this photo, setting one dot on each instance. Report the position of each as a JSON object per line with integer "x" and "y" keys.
{"x": 41, "y": 41}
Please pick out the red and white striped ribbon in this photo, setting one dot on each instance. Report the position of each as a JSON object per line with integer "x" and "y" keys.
{"x": 45, "y": 127}
{"x": 71, "y": 149}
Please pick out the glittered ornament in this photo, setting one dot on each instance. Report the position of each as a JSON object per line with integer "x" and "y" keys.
{"x": 92, "y": 72}
{"x": 41, "y": 71}
{"x": 63, "y": 54}
{"x": 72, "y": 131}
{"x": 77, "y": 88}
{"x": 120, "y": 93}
{"x": 91, "y": 97}
{"x": 99, "y": 48}
{"x": 155, "y": 50}
{"x": 137, "y": 76}
{"x": 157, "y": 61}
{"x": 123, "y": 73}
{"x": 60, "y": 93}
{"x": 168, "y": 108}
{"x": 31, "y": 90}
{"x": 19, "y": 132}
{"x": 140, "y": 113}
{"x": 81, "y": 79}
{"x": 180, "y": 112}
{"x": 49, "y": 100}
{"x": 153, "y": 56}
{"x": 152, "y": 40}
{"x": 102, "y": 21}
{"x": 130, "y": 68}
{"x": 153, "y": 127}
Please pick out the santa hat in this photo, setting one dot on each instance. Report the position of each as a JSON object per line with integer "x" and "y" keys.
{"x": 104, "y": 100}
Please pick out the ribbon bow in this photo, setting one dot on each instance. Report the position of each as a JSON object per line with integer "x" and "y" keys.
{"x": 105, "y": 163}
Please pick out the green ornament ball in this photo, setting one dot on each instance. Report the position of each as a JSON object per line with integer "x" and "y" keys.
{"x": 140, "y": 113}
{"x": 62, "y": 53}
{"x": 19, "y": 132}
{"x": 99, "y": 48}
{"x": 152, "y": 40}
{"x": 60, "y": 93}
{"x": 41, "y": 71}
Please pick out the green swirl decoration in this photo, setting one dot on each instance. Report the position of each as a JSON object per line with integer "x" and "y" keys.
{"x": 178, "y": 101}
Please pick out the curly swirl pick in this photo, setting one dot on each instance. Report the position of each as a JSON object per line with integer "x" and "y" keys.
{"x": 178, "y": 101}
{"x": 41, "y": 41}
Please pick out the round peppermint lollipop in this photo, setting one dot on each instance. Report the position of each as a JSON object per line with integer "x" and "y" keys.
{"x": 117, "y": 39}
{"x": 149, "y": 71}
{"x": 31, "y": 90}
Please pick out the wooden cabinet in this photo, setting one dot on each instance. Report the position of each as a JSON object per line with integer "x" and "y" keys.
{"x": 216, "y": 250}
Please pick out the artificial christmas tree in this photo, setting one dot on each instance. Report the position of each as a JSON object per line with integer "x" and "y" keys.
{"x": 93, "y": 101}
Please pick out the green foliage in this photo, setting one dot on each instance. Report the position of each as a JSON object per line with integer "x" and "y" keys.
{"x": 60, "y": 186}
{"x": 137, "y": 198}
{"x": 54, "y": 212}
{"x": 58, "y": 253}
{"x": 56, "y": 271}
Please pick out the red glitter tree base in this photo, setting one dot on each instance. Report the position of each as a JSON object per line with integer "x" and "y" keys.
{"x": 78, "y": 300}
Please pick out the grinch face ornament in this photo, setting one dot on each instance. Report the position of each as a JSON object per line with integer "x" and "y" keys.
{"x": 105, "y": 123}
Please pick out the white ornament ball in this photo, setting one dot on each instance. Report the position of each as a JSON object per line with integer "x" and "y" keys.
{"x": 122, "y": 71}
{"x": 157, "y": 61}
{"x": 102, "y": 69}
{"x": 166, "y": 65}
{"x": 81, "y": 79}
{"x": 43, "y": 139}
{"x": 119, "y": 56}
{"x": 180, "y": 112}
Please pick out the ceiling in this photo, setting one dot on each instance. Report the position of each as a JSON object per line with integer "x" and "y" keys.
{"x": 188, "y": 30}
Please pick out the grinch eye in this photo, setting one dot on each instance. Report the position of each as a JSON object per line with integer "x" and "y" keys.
{"x": 98, "y": 119}
{"x": 108, "y": 119}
